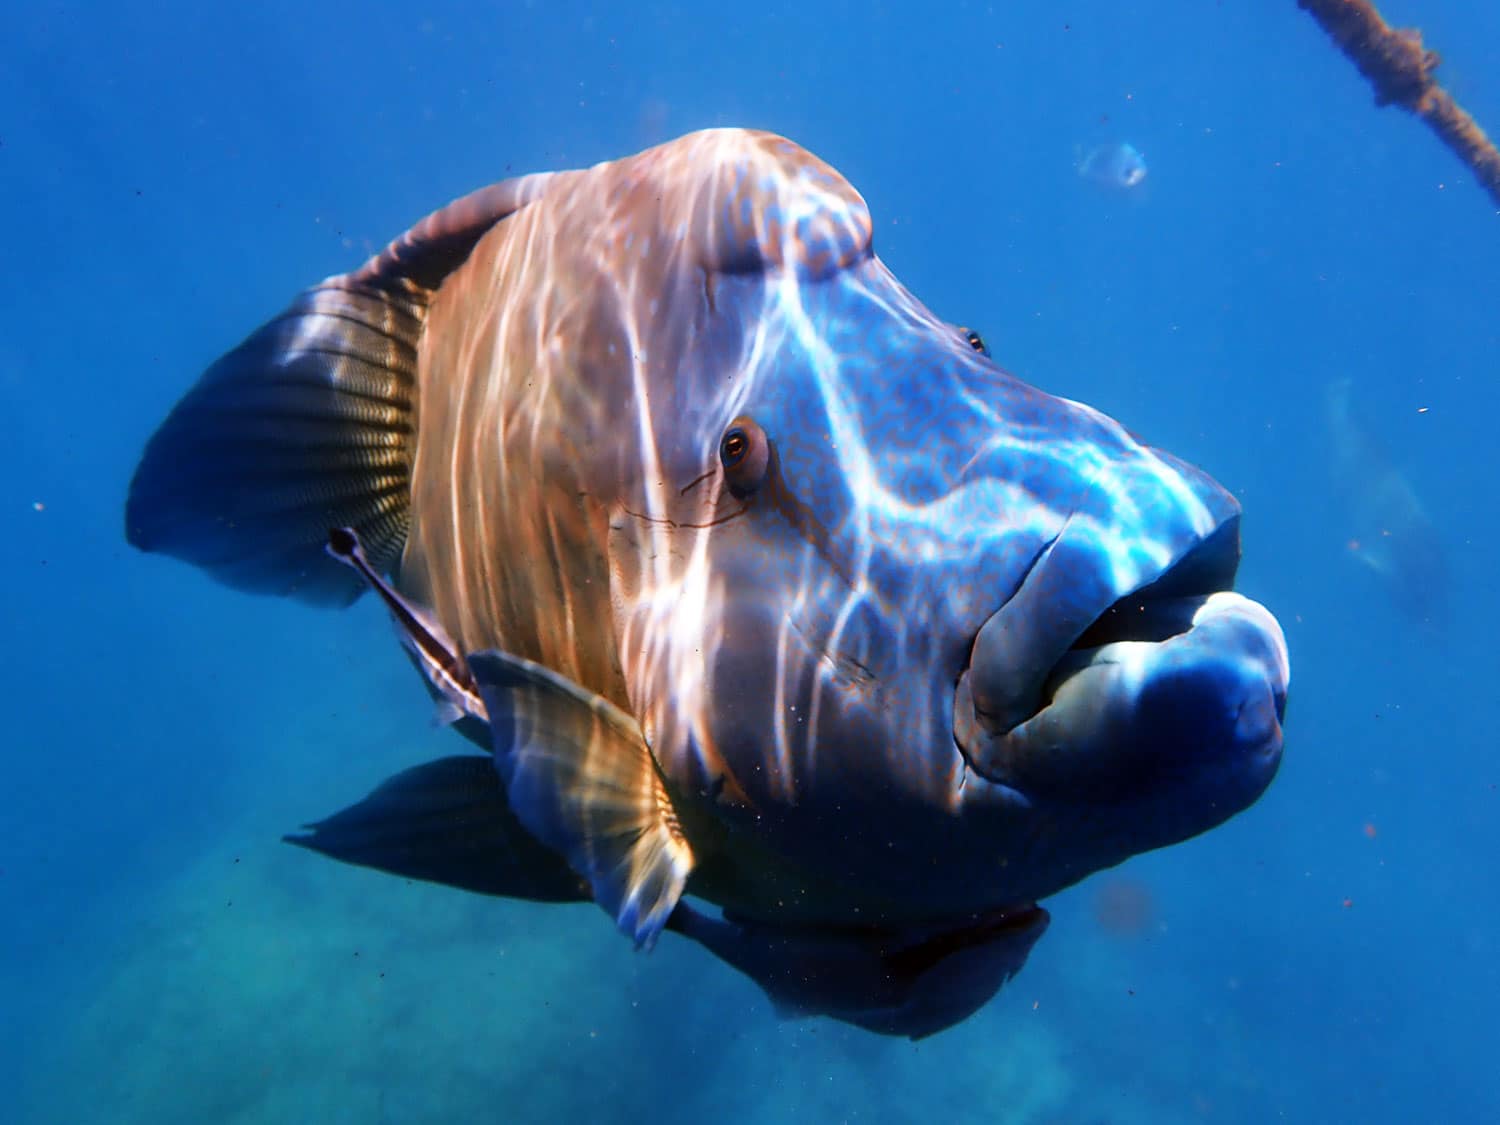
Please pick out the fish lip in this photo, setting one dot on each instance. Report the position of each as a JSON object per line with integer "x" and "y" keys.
{"x": 1189, "y": 726}
{"x": 1072, "y": 603}
{"x": 1148, "y": 612}
{"x": 1152, "y": 612}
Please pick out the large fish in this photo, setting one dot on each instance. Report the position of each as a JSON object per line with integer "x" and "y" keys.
{"x": 757, "y": 582}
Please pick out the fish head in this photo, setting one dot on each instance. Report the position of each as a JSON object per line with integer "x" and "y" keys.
{"x": 1130, "y": 166}
{"x": 910, "y": 621}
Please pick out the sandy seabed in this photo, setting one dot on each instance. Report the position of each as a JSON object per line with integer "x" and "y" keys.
{"x": 272, "y": 985}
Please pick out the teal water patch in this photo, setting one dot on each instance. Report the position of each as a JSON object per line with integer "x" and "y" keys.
{"x": 263, "y": 986}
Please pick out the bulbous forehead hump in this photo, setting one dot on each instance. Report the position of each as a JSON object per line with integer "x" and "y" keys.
{"x": 738, "y": 201}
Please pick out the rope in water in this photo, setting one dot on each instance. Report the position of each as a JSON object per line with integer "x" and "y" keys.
{"x": 1400, "y": 69}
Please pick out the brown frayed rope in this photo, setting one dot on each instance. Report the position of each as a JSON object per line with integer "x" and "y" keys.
{"x": 1400, "y": 69}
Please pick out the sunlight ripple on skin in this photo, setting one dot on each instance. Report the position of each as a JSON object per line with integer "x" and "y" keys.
{"x": 777, "y": 591}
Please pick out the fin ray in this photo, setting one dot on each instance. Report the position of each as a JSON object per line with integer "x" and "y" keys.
{"x": 581, "y": 778}
{"x": 236, "y": 481}
{"x": 306, "y": 425}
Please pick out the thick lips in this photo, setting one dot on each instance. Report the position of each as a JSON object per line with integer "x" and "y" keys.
{"x": 1070, "y": 682}
{"x": 1063, "y": 592}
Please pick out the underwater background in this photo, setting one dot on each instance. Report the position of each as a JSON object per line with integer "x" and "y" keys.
{"x": 171, "y": 177}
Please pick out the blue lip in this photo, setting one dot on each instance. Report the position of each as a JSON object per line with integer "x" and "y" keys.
{"x": 1186, "y": 702}
{"x": 1081, "y": 590}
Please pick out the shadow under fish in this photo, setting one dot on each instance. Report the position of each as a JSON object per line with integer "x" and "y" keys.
{"x": 1386, "y": 525}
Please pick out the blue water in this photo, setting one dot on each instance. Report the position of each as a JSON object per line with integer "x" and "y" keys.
{"x": 171, "y": 177}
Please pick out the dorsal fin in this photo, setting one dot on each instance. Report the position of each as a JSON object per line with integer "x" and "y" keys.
{"x": 439, "y": 244}
{"x": 307, "y": 425}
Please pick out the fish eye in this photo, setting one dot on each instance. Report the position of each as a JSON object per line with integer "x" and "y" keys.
{"x": 976, "y": 341}
{"x": 745, "y": 453}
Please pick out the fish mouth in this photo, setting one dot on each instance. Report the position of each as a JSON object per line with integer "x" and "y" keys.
{"x": 1074, "y": 689}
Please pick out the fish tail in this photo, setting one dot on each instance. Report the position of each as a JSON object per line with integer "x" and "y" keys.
{"x": 307, "y": 425}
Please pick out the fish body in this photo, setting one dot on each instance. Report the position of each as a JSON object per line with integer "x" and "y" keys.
{"x": 1118, "y": 166}
{"x": 1387, "y": 528}
{"x": 776, "y": 590}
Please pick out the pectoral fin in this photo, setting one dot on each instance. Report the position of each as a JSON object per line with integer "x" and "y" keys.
{"x": 446, "y": 822}
{"x": 579, "y": 775}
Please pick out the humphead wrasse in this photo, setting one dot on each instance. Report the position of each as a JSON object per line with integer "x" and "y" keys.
{"x": 761, "y": 587}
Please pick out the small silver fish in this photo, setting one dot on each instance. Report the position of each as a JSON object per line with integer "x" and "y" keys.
{"x": 1118, "y": 166}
